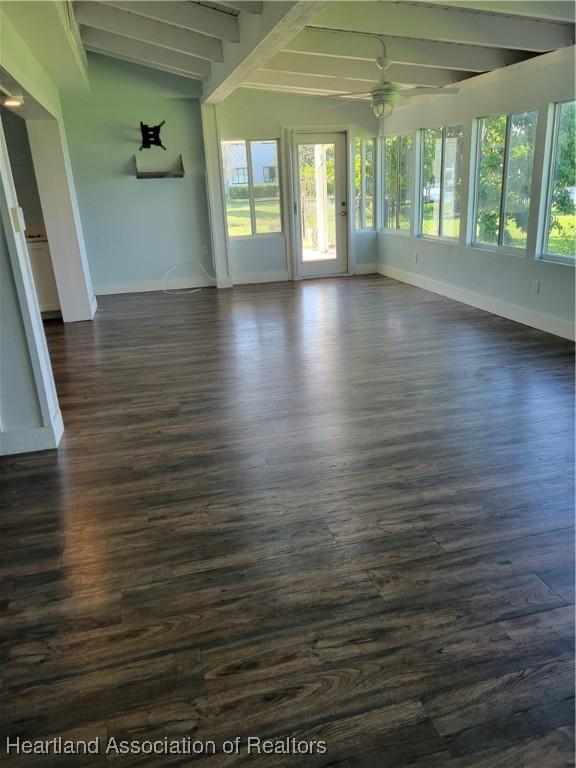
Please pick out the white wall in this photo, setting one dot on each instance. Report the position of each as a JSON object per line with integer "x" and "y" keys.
{"x": 500, "y": 282}
{"x": 19, "y": 405}
{"x": 23, "y": 171}
{"x": 252, "y": 114}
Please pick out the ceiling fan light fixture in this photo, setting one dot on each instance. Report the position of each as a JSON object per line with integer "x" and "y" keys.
{"x": 382, "y": 109}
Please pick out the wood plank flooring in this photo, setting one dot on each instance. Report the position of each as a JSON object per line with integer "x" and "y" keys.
{"x": 337, "y": 510}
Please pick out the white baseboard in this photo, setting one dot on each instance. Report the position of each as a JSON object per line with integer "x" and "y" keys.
{"x": 33, "y": 438}
{"x": 538, "y": 320}
{"x": 249, "y": 278}
{"x": 93, "y": 305}
{"x": 366, "y": 269}
{"x": 153, "y": 285}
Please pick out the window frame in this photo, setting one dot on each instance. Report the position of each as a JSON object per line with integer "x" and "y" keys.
{"x": 250, "y": 183}
{"x": 499, "y": 247}
{"x": 361, "y": 198}
{"x": 411, "y": 185}
{"x": 549, "y": 169}
{"x": 420, "y": 209}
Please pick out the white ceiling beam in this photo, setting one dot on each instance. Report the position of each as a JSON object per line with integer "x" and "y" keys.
{"x": 295, "y": 91}
{"x": 402, "y": 50}
{"x": 331, "y": 66}
{"x": 451, "y": 25}
{"x": 196, "y": 18}
{"x": 106, "y": 42}
{"x": 119, "y": 22}
{"x": 550, "y": 10}
{"x": 251, "y": 6}
{"x": 263, "y": 35}
{"x": 402, "y": 74}
{"x": 157, "y": 67}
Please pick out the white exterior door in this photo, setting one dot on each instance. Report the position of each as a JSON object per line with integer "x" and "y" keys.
{"x": 321, "y": 204}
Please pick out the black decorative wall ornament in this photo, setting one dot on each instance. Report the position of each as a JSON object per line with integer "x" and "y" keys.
{"x": 151, "y": 136}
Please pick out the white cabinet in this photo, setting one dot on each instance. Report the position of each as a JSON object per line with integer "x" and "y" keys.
{"x": 41, "y": 263}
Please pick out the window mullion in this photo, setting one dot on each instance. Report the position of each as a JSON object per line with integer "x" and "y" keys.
{"x": 551, "y": 173}
{"x": 363, "y": 184}
{"x": 398, "y": 150}
{"x": 504, "y": 180}
{"x": 442, "y": 163}
{"x": 251, "y": 187}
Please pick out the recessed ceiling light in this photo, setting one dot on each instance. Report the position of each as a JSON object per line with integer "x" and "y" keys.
{"x": 12, "y": 101}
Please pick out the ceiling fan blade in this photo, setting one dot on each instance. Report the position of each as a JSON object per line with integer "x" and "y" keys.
{"x": 420, "y": 91}
{"x": 353, "y": 93}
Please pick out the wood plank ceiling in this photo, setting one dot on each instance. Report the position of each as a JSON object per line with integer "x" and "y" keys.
{"x": 429, "y": 43}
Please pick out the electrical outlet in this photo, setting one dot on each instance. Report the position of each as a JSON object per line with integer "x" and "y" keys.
{"x": 536, "y": 287}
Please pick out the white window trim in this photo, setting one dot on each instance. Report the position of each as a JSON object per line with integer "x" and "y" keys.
{"x": 251, "y": 200}
{"x": 475, "y": 171}
{"x": 362, "y": 196}
{"x": 546, "y": 213}
{"x": 396, "y": 230}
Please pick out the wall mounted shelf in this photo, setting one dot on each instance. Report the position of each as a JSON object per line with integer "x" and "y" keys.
{"x": 174, "y": 173}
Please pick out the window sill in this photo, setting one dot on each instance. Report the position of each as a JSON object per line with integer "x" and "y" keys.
{"x": 499, "y": 250}
{"x": 442, "y": 240}
{"x": 566, "y": 261}
{"x": 400, "y": 232}
{"x": 259, "y": 234}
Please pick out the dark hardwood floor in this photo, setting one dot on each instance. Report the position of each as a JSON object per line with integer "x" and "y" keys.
{"x": 338, "y": 510}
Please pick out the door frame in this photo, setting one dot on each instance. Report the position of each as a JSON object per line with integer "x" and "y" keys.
{"x": 290, "y": 191}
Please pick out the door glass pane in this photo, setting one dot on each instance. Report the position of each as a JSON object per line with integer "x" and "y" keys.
{"x": 519, "y": 178}
{"x": 390, "y": 181}
{"x": 235, "y": 167}
{"x": 452, "y": 182}
{"x": 369, "y": 185}
{"x": 562, "y": 221}
{"x": 431, "y": 182}
{"x": 405, "y": 185}
{"x": 266, "y": 186}
{"x": 316, "y": 167}
{"x": 490, "y": 170}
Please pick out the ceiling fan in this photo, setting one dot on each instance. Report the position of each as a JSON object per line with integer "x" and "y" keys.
{"x": 386, "y": 94}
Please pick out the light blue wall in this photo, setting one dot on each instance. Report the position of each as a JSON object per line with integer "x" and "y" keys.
{"x": 251, "y": 114}
{"x": 136, "y": 230}
{"x": 498, "y": 280}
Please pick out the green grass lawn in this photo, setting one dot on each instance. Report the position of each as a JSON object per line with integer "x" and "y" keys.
{"x": 267, "y": 216}
{"x": 268, "y": 219}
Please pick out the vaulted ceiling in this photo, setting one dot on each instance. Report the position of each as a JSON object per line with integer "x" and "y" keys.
{"x": 321, "y": 47}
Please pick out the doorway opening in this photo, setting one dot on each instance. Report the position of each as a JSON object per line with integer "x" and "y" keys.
{"x": 24, "y": 176}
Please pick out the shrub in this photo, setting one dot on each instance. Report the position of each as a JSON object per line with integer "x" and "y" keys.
{"x": 240, "y": 191}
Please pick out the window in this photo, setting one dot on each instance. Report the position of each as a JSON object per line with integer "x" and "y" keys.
{"x": 560, "y": 231}
{"x": 441, "y": 179}
{"x": 239, "y": 176}
{"x": 251, "y": 187}
{"x": 504, "y": 179}
{"x": 364, "y": 183}
{"x": 397, "y": 182}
